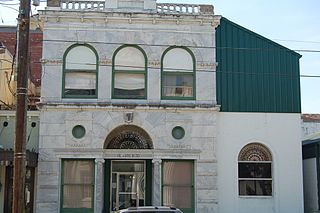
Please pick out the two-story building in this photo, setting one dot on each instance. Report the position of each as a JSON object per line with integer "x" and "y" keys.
{"x": 165, "y": 104}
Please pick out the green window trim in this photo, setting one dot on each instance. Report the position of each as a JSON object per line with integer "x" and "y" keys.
{"x": 65, "y": 70}
{"x": 76, "y": 210}
{"x": 193, "y": 74}
{"x": 124, "y": 71}
{"x": 185, "y": 210}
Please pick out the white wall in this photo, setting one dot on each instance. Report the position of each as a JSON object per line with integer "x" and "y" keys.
{"x": 310, "y": 185}
{"x": 281, "y": 134}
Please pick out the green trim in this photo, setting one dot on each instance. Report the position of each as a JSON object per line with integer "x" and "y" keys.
{"x": 189, "y": 210}
{"x": 149, "y": 177}
{"x": 130, "y": 72}
{"x": 76, "y": 210}
{"x": 64, "y": 71}
{"x": 107, "y": 189}
{"x": 163, "y": 73}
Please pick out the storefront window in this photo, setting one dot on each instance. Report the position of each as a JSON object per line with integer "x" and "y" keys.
{"x": 77, "y": 185}
{"x": 178, "y": 185}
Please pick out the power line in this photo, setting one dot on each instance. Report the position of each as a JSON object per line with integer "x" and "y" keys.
{"x": 189, "y": 46}
{"x": 298, "y": 41}
{"x": 9, "y": 4}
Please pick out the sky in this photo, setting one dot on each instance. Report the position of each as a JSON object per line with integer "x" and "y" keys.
{"x": 294, "y": 24}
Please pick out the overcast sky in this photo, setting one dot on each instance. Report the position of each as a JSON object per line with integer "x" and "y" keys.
{"x": 292, "y": 23}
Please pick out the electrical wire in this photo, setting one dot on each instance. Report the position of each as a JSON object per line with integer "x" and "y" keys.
{"x": 189, "y": 46}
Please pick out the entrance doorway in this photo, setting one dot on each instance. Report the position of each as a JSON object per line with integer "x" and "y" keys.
{"x": 127, "y": 184}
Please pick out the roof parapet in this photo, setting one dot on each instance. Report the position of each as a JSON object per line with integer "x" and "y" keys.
{"x": 132, "y": 6}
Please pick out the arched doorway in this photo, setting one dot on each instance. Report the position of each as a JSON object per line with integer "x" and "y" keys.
{"x": 128, "y": 137}
{"x": 128, "y": 181}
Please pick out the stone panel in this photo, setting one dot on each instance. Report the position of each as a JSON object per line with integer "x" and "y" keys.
{"x": 206, "y": 182}
{"x": 207, "y": 207}
{"x": 52, "y": 129}
{"x": 50, "y": 207}
{"x": 47, "y": 194}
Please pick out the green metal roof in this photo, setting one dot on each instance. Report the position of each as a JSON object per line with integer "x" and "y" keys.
{"x": 255, "y": 74}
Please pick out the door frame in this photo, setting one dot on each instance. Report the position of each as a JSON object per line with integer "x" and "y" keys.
{"x": 107, "y": 182}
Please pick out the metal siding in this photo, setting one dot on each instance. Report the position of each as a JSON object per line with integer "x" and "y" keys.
{"x": 255, "y": 74}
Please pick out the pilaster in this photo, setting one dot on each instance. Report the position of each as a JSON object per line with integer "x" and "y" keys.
{"x": 98, "y": 187}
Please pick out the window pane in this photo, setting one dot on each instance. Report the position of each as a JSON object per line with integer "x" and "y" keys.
{"x": 129, "y": 58}
{"x": 76, "y": 172}
{"x": 77, "y": 196}
{"x": 177, "y": 173}
{"x": 178, "y": 60}
{"x": 178, "y": 85}
{"x": 81, "y": 57}
{"x": 129, "y": 85}
{"x": 255, "y": 187}
{"x": 254, "y": 170}
{"x": 180, "y": 197}
{"x": 80, "y": 83}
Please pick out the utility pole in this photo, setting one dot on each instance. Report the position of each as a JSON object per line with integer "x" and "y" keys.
{"x": 19, "y": 165}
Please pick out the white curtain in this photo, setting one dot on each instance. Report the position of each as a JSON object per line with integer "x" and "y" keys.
{"x": 80, "y": 80}
{"x": 129, "y": 81}
{"x": 81, "y": 57}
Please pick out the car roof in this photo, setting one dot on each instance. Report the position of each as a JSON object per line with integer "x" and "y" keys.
{"x": 150, "y": 209}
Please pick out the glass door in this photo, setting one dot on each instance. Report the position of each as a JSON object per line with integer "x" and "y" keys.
{"x": 127, "y": 184}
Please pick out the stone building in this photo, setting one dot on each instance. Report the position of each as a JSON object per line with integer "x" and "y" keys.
{"x": 142, "y": 104}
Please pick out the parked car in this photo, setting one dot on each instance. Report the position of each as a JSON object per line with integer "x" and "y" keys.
{"x": 151, "y": 209}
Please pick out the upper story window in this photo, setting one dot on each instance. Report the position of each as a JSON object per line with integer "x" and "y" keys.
{"x": 255, "y": 170}
{"x": 129, "y": 73}
{"x": 80, "y": 70}
{"x": 178, "y": 74}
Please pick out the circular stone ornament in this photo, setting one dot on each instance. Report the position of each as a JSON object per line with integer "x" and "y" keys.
{"x": 78, "y": 131}
{"x": 178, "y": 132}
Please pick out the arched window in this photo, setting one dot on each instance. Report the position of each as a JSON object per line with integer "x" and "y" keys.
{"x": 80, "y": 70}
{"x": 178, "y": 74}
{"x": 255, "y": 170}
{"x": 129, "y": 73}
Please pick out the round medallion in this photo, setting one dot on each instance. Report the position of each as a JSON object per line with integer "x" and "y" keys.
{"x": 178, "y": 132}
{"x": 78, "y": 131}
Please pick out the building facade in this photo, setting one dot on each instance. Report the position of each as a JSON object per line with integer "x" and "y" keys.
{"x": 8, "y": 82}
{"x": 143, "y": 104}
{"x": 311, "y": 169}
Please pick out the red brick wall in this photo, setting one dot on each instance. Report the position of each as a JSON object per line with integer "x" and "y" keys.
{"x": 8, "y": 38}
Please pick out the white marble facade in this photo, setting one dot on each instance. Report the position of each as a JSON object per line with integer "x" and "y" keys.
{"x": 212, "y": 139}
{"x": 107, "y": 30}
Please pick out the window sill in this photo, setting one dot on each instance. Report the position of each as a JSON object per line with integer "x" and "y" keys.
{"x": 255, "y": 197}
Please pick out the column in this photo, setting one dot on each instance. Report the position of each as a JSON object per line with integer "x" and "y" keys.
{"x": 156, "y": 195}
{"x": 98, "y": 187}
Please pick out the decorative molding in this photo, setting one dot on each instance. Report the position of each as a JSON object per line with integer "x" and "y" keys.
{"x": 128, "y": 117}
{"x": 51, "y": 61}
{"x": 105, "y": 62}
{"x": 157, "y": 161}
{"x": 128, "y": 137}
{"x": 255, "y": 152}
{"x": 154, "y": 64}
{"x": 99, "y": 160}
